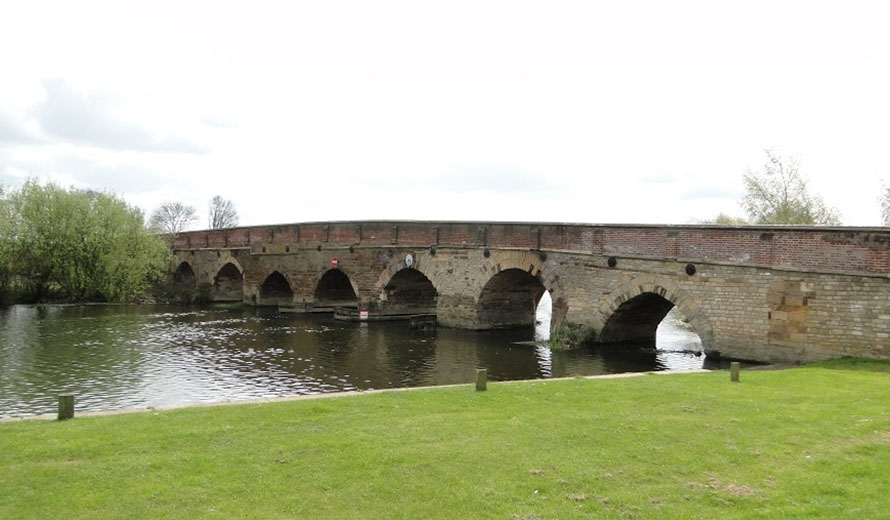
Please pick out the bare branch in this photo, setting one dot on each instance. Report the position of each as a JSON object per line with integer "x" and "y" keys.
{"x": 172, "y": 217}
{"x": 222, "y": 213}
{"x": 885, "y": 205}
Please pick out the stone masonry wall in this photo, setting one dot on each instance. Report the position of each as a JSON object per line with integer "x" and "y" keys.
{"x": 764, "y": 293}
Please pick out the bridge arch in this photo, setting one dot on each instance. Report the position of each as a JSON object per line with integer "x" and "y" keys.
{"x": 409, "y": 290}
{"x": 335, "y": 288}
{"x": 220, "y": 261}
{"x": 185, "y": 275}
{"x": 228, "y": 283}
{"x": 426, "y": 265}
{"x": 509, "y": 299}
{"x": 185, "y": 283}
{"x": 633, "y": 310}
{"x": 539, "y": 276}
{"x": 275, "y": 290}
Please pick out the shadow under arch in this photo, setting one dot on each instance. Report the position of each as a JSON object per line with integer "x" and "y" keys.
{"x": 509, "y": 299}
{"x": 398, "y": 277}
{"x": 536, "y": 265}
{"x": 228, "y": 284}
{"x": 632, "y": 312}
{"x": 275, "y": 290}
{"x": 185, "y": 283}
{"x": 409, "y": 291}
{"x": 184, "y": 274}
{"x": 335, "y": 289}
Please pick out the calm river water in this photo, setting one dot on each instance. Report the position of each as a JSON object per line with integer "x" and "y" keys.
{"x": 135, "y": 356}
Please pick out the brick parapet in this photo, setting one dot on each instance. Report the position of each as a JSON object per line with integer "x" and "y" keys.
{"x": 807, "y": 249}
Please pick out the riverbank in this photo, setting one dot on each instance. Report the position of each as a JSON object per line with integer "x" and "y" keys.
{"x": 309, "y": 397}
{"x": 805, "y": 442}
{"x": 138, "y": 356}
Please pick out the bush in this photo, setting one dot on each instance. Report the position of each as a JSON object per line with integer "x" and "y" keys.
{"x": 571, "y": 335}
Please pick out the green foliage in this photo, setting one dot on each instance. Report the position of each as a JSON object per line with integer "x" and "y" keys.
{"x": 6, "y": 226}
{"x": 75, "y": 245}
{"x": 726, "y": 220}
{"x": 570, "y": 335}
{"x": 778, "y": 194}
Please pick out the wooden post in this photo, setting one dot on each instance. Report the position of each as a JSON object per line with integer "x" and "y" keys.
{"x": 481, "y": 379}
{"x": 734, "y": 371}
{"x": 66, "y": 407}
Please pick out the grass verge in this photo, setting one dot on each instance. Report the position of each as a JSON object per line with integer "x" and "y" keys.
{"x": 801, "y": 443}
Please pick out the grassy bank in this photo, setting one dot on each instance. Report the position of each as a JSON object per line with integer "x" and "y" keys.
{"x": 806, "y": 442}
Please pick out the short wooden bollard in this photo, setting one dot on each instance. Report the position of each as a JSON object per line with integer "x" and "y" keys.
{"x": 481, "y": 379}
{"x": 734, "y": 371}
{"x": 66, "y": 407}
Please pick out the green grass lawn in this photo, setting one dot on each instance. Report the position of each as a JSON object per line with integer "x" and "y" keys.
{"x": 800, "y": 443}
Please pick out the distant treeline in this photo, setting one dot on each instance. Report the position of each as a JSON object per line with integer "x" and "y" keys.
{"x": 59, "y": 244}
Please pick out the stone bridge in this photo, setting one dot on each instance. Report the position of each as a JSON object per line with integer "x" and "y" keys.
{"x": 758, "y": 293}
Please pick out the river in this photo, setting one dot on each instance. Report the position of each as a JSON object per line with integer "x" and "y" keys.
{"x": 122, "y": 356}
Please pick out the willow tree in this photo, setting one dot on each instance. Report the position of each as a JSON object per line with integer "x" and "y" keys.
{"x": 6, "y": 245}
{"x": 78, "y": 245}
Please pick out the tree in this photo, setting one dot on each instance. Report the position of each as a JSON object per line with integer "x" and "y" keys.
{"x": 222, "y": 213}
{"x": 6, "y": 244}
{"x": 885, "y": 205}
{"x": 723, "y": 219}
{"x": 778, "y": 194}
{"x": 76, "y": 245}
{"x": 172, "y": 217}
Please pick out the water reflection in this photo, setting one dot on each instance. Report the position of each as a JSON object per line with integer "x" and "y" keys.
{"x": 126, "y": 356}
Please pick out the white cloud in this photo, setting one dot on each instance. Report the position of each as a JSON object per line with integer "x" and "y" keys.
{"x": 90, "y": 118}
{"x": 569, "y": 111}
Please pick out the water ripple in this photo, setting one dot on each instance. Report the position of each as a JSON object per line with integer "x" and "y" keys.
{"x": 135, "y": 356}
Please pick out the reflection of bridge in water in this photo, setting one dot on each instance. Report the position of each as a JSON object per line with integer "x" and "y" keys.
{"x": 763, "y": 293}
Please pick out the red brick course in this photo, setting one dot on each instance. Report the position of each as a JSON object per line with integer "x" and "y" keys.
{"x": 858, "y": 250}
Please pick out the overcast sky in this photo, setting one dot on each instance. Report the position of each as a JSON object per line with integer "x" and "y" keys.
{"x": 645, "y": 112}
